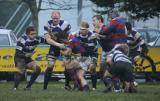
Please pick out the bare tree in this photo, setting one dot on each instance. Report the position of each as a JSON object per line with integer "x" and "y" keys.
{"x": 32, "y": 4}
{"x": 80, "y": 4}
{"x": 35, "y": 7}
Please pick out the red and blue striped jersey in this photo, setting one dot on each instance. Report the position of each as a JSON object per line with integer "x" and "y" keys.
{"x": 75, "y": 45}
{"x": 118, "y": 30}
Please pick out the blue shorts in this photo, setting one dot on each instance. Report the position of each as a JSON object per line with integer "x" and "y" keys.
{"x": 54, "y": 52}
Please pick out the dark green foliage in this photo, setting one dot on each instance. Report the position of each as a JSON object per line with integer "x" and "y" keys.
{"x": 138, "y": 9}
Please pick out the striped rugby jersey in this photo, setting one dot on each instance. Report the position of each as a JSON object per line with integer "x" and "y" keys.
{"x": 89, "y": 42}
{"x": 105, "y": 42}
{"x": 74, "y": 44}
{"x": 25, "y": 45}
{"x": 118, "y": 30}
{"x": 134, "y": 39}
{"x": 119, "y": 56}
{"x": 62, "y": 26}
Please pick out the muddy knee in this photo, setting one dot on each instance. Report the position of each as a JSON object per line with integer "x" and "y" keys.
{"x": 51, "y": 63}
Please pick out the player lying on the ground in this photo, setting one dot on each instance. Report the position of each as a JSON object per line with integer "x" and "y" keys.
{"x": 75, "y": 70}
{"x": 120, "y": 66}
{"x": 84, "y": 62}
{"x": 72, "y": 65}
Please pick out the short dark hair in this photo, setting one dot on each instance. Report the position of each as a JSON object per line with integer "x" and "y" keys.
{"x": 29, "y": 29}
{"x": 113, "y": 14}
{"x": 128, "y": 26}
{"x": 99, "y": 17}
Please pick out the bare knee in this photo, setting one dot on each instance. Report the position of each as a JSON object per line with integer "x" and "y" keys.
{"x": 51, "y": 64}
{"x": 107, "y": 74}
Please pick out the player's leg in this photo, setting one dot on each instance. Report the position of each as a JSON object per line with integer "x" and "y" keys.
{"x": 67, "y": 61}
{"x": 67, "y": 79}
{"x": 126, "y": 75}
{"x": 67, "y": 73}
{"x": 71, "y": 67}
{"x": 84, "y": 63}
{"x": 48, "y": 72}
{"x": 102, "y": 64}
{"x": 105, "y": 75}
{"x": 92, "y": 69}
{"x": 76, "y": 80}
{"x": 36, "y": 71}
{"x": 116, "y": 83}
{"x": 20, "y": 65}
{"x": 107, "y": 81}
{"x": 84, "y": 84}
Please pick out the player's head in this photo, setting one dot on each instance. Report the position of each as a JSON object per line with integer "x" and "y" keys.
{"x": 123, "y": 48}
{"x": 31, "y": 32}
{"x": 84, "y": 28}
{"x": 56, "y": 17}
{"x": 113, "y": 14}
{"x": 97, "y": 20}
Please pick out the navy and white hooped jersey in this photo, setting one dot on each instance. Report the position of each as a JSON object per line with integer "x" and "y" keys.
{"x": 62, "y": 26}
{"x": 89, "y": 42}
{"x": 25, "y": 45}
{"x": 134, "y": 39}
{"x": 119, "y": 56}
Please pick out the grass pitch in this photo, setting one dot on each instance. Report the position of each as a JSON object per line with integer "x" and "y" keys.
{"x": 56, "y": 92}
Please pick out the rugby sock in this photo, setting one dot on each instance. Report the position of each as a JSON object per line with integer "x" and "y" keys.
{"x": 33, "y": 78}
{"x": 116, "y": 83}
{"x": 94, "y": 80}
{"x": 77, "y": 83}
{"x": 85, "y": 88}
{"x": 47, "y": 77}
{"x": 107, "y": 82}
{"x": 17, "y": 79}
{"x": 67, "y": 78}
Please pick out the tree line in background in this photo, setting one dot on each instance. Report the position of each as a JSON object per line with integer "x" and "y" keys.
{"x": 136, "y": 9}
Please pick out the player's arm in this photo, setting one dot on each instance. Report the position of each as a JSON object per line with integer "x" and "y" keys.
{"x": 21, "y": 46}
{"x": 109, "y": 60}
{"x": 66, "y": 52}
{"x": 47, "y": 27}
{"x": 49, "y": 40}
{"x": 138, "y": 39}
{"x": 66, "y": 27}
{"x": 103, "y": 33}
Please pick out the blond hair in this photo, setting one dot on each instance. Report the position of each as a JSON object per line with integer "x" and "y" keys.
{"x": 84, "y": 25}
{"x": 56, "y": 13}
{"x": 123, "y": 48}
